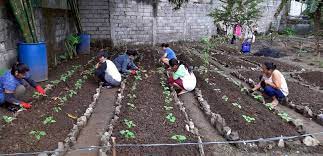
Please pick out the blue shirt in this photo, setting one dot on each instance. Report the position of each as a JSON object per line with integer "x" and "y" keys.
{"x": 170, "y": 54}
{"x": 124, "y": 63}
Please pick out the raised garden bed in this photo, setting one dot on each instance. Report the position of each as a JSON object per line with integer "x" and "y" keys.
{"x": 232, "y": 62}
{"x": 283, "y": 67}
{"x": 314, "y": 78}
{"x": 154, "y": 117}
{"x": 51, "y": 118}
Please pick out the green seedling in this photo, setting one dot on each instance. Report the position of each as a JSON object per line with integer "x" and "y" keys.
{"x": 129, "y": 123}
{"x": 8, "y": 119}
{"x": 171, "y": 118}
{"x": 49, "y": 120}
{"x": 64, "y": 78}
{"x": 38, "y": 134}
{"x": 243, "y": 89}
{"x": 36, "y": 95}
{"x": 72, "y": 93}
{"x": 285, "y": 116}
{"x": 127, "y": 134}
{"x": 225, "y": 98}
{"x": 131, "y": 105}
{"x": 84, "y": 77}
{"x": 166, "y": 93}
{"x": 78, "y": 84}
{"x": 236, "y": 105}
{"x": 179, "y": 138}
{"x": 138, "y": 77}
{"x": 161, "y": 70}
{"x": 132, "y": 96}
{"x": 134, "y": 87}
{"x": 168, "y": 100}
{"x": 269, "y": 106}
{"x": 168, "y": 108}
{"x": 55, "y": 82}
{"x": 63, "y": 99}
{"x": 248, "y": 119}
{"x": 57, "y": 109}
{"x": 257, "y": 97}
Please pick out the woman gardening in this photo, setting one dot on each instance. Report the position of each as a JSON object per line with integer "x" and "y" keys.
{"x": 183, "y": 78}
{"x": 273, "y": 83}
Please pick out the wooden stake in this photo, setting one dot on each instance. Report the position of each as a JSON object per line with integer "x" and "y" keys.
{"x": 114, "y": 153}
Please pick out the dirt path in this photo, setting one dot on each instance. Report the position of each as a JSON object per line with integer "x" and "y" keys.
{"x": 90, "y": 135}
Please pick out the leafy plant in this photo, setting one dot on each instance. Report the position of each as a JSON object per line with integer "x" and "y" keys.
{"x": 248, "y": 119}
{"x": 285, "y": 116}
{"x": 49, "y": 120}
{"x": 167, "y": 108}
{"x": 258, "y": 97}
{"x": 36, "y": 95}
{"x": 243, "y": 89}
{"x": 78, "y": 84}
{"x": 131, "y": 105}
{"x": 8, "y": 119}
{"x": 166, "y": 93}
{"x": 55, "y": 82}
{"x": 179, "y": 138}
{"x": 171, "y": 118}
{"x": 72, "y": 93}
{"x": 236, "y": 105}
{"x": 127, "y": 134}
{"x": 168, "y": 100}
{"x": 64, "y": 78}
{"x": 38, "y": 134}
{"x": 57, "y": 109}
{"x": 138, "y": 76}
{"x": 269, "y": 106}
{"x": 63, "y": 99}
{"x": 129, "y": 123}
{"x": 289, "y": 31}
{"x": 225, "y": 98}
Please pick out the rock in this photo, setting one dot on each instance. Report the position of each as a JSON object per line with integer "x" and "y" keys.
{"x": 308, "y": 112}
{"x": 281, "y": 143}
{"x": 95, "y": 96}
{"x": 292, "y": 106}
{"x": 80, "y": 123}
{"x": 233, "y": 136}
{"x": 117, "y": 111}
{"x": 320, "y": 118}
{"x": 83, "y": 119}
{"x": 191, "y": 124}
{"x": 271, "y": 145}
{"x": 298, "y": 123}
{"x": 226, "y": 130}
{"x": 43, "y": 154}
{"x": 200, "y": 99}
{"x": 73, "y": 140}
{"x": 187, "y": 128}
{"x": 310, "y": 141}
{"x": 60, "y": 146}
{"x": 299, "y": 109}
{"x": 98, "y": 90}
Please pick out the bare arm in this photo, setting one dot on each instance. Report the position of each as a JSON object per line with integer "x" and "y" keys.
{"x": 276, "y": 81}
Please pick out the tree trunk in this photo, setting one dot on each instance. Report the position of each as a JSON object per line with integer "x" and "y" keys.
{"x": 317, "y": 18}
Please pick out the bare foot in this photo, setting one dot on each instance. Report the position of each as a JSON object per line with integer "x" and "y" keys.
{"x": 274, "y": 103}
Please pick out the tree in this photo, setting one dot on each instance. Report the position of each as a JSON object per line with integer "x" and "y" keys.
{"x": 243, "y": 12}
{"x": 178, "y": 3}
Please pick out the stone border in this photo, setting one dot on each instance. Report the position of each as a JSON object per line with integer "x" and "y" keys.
{"x": 75, "y": 131}
{"x": 304, "y": 110}
{"x": 110, "y": 125}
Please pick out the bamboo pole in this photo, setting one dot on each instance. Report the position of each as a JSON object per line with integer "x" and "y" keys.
{"x": 27, "y": 13}
{"x": 33, "y": 20}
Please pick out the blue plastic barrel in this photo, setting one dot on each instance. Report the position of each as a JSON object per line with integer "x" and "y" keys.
{"x": 84, "y": 46}
{"x": 35, "y": 56}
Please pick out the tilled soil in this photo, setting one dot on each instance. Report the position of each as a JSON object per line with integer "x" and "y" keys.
{"x": 266, "y": 124}
{"x": 15, "y": 137}
{"x": 284, "y": 67}
{"x": 298, "y": 94}
{"x": 232, "y": 62}
{"x": 149, "y": 116}
{"x": 314, "y": 78}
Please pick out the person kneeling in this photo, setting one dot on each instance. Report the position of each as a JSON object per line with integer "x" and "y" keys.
{"x": 125, "y": 64}
{"x": 13, "y": 86}
{"x": 183, "y": 77}
{"x": 107, "y": 72}
{"x": 273, "y": 84}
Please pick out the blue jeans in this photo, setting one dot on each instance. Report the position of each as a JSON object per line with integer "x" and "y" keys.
{"x": 2, "y": 100}
{"x": 270, "y": 91}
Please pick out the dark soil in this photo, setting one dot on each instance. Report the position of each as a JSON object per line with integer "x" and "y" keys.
{"x": 266, "y": 123}
{"x": 15, "y": 137}
{"x": 150, "y": 118}
{"x": 284, "y": 67}
{"x": 298, "y": 94}
{"x": 314, "y": 78}
{"x": 232, "y": 62}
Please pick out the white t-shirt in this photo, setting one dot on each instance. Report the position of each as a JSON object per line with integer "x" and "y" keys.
{"x": 188, "y": 79}
{"x": 284, "y": 87}
{"x": 112, "y": 71}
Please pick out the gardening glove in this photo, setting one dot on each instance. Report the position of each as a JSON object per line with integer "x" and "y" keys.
{"x": 25, "y": 105}
{"x": 40, "y": 90}
{"x": 133, "y": 72}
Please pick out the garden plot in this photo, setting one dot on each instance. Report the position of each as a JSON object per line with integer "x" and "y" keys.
{"x": 299, "y": 97}
{"x": 232, "y": 62}
{"x": 284, "y": 67}
{"x": 314, "y": 78}
{"x": 51, "y": 118}
{"x": 149, "y": 116}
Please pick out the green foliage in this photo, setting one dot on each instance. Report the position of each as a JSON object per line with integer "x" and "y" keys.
{"x": 244, "y": 12}
{"x": 236, "y": 105}
{"x": 128, "y": 134}
{"x": 131, "y": 105}
{"x": 289, "y": 31}
{"x": 129, "y": 123}
{"x": 269, "y": 106}
{"x": 285, "y": 116}
{"x": 178, "y": 3}
{"x": 225, "y": 98}
{"x": 55, "y": 82}
{"x": 257, "y": 97}
{"x": 179, "y": 138}
{"x": 36, "y": 95}
{"x": 57, "y": 109}
{"x": 171, "y": 118}
{"x": 206, "y": 50}
{"x": 168, "y": 108}
{"x": 248, "y": 119}
{"x": 72, "y": 93}
{"x": 38, "y": 134}
{"x": 49, "y": 120}
{"x": 312, "y": 7}
{"x": 8, "y": 119}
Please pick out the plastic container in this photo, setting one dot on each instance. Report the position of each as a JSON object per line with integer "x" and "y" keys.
{"x": 246, "y": 47}
{"x": 35, "y": 56}
{"x": 85, "y": 44}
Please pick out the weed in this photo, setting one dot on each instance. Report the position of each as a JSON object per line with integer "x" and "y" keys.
{"x": 38, "y": 134}
{"x": 225, "y": 98}
{"x": 127, "y": 134}
{"x": 168, "y": 108}
{"x": 179, "y": 138}
{"x": 248, "y": 119}
{"x": 171, "y": 118}
{"x": 8, "y": 119}
{"x": 129, "y": 123}
{"x": 49, "y": 120}
{"x": 285, "y": 116}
